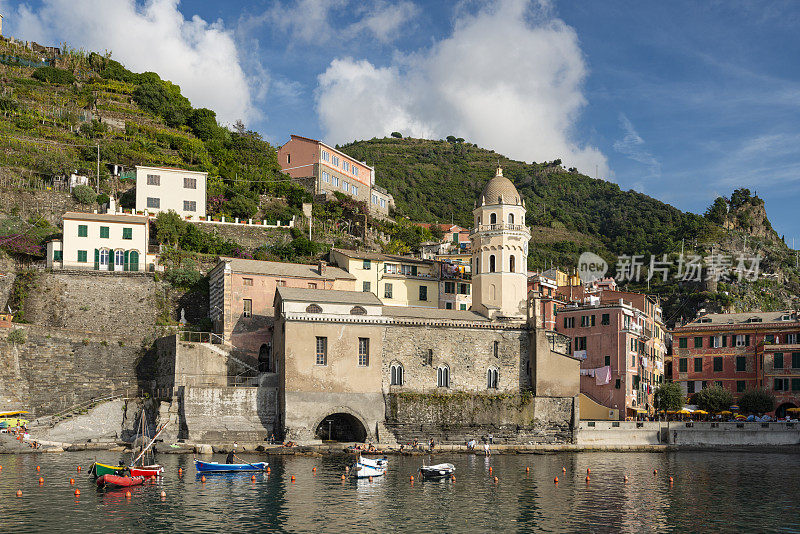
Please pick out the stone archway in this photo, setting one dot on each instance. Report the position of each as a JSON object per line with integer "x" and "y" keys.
{"x": 341, "y": 426}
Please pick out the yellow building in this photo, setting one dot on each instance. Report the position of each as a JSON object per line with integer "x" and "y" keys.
{"x": 396, "y": 280}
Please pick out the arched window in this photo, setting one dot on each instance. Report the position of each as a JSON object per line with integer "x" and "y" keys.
{"x": 491, "y": 263}
{"x": 358, "y": 310}
{"x": 133, "y": 260}
{"x": 491, "y": 378}
{"x": 119, "y": 259}
{"x": 313, "y": 308}
{"x": 511, "y": 265}
{"x": 493, "y": 218}
{"x": 443, "y": 377}
{"x": 397, "y": 375}
{"x": 477, "y": 222}
{"x": 265, "y": 358}
{"x": 510, "y": 218}
{"x": 104, "y": 257}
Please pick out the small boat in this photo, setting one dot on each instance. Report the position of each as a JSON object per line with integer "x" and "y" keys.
{"x": 437, "y": 471}
{"x": 98, "y": 469}
{"x": 116, "y": 481}
{"x": 370, "y": 467}
{"x": 146, "y": 453}
{"x": 147, "y": 471}
{"x": 215, "y": 467}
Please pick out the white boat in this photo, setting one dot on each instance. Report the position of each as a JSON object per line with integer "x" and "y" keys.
{"x": 437, "y": 471}
{"x": 370, "y": 467}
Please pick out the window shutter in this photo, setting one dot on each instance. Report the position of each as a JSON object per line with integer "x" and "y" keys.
{"x": 96, "y": 259}
{"x": 747, "y": 340}
{"x": 111, "y": 254}
{"x": 413, "y": 270}
{"x": 724, "y": 341}
{"x": 126, "y": 264}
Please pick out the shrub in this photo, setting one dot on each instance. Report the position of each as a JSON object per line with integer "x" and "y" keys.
{"x": 713, "y": 399}
{"x": 398, "y": 135}
{"x": 84, "y": 194}
{"x": 185, "y": 277}
{"x": 669, "y": 396}
{"x": 17, "y": 336}
{"x": 242, "y": 207}
{"x": 757, "y": 401}
{"x": 53, "y": 75}
{"x": 102, "y": 198}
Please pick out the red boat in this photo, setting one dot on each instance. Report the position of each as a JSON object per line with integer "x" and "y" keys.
{"x": 147, "y": 471}
{"x": 116, "y": 481}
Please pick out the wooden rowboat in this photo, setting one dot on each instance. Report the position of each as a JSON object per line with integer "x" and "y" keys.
{"x": 99, "y": 469}
{"x": 147, "y": 471}
{"x": 211, "y": 467}
{"x": 114, "y": 481}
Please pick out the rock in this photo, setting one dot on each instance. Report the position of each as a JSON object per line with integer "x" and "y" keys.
{"x": 202, "y": 448}
{"x": 54, "y": 449}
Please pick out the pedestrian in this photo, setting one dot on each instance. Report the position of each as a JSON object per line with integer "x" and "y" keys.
{"x": 486, "y": 451}
{"x": 491, "y": 438}
{"x": 432, "y": 445}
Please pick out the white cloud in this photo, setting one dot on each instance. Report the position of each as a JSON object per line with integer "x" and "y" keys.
{"x": 199, "y": 56}
{"x": 509, "y": 77}
{"x": 327, "y": 22}
{"x": 632, "y": 146}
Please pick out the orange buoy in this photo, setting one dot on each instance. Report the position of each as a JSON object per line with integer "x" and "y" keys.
{"x": 203, "y": 478}
{"x": 490, "y": 470}
{"x": 41, "y": 481}
{"x": 1, "y": 467}
{"x": 38, "y": 468}
{"x": 71, "y": 481}
{"x": 343, "y": 477}
{"x": 453, "y": 478}
{"x": 626, "y": 479}
{"x": 587, "y": 479}
{"x": 555, "y": 480}
{"x": 527, "y": 469}
{"x": 127, "y": 494}
{"x": 180, "y": 471}
{"x": 655, "y": 471}
{"x": 269, "y": 470}
{"x": 588, "y": 471}
{"x": 313, "y": 469}
{"x": 79, "y": 469}
{"x": 77, "y": 492}
{"x": 292, "y": 478}
{"x": 411, "y": 478}
{"x": 495, "y": 480}
{"x": 253, "y": 478}
{"x": 163, "y": 494}
{"x": 563, "y": 469}
{"x": 670, "y": 480}
{"x": 19, "y": 493}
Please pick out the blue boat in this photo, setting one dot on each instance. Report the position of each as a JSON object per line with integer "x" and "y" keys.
{"x": 214, "y": 467}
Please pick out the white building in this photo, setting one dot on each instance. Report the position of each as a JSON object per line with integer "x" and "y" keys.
{"x": 102, "y": 242}
{"x": 165, "y": 188}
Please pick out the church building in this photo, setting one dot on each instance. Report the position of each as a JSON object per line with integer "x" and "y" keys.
{"x": 351, "y": 368}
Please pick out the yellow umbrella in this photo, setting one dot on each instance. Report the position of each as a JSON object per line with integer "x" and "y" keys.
{"x": 725, "y": 412}
{"x": 793, "y": 410}
{"x": 684, "y": 412}
{"x": 700, "y": 412}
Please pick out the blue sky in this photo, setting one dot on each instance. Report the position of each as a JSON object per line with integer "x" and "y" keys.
{"x": 683, "y": 101}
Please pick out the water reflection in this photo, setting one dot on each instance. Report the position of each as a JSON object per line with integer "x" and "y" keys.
{"x": 711, "y": 492}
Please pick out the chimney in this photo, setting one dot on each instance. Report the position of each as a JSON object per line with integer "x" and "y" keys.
{"x": 321, "y": 267}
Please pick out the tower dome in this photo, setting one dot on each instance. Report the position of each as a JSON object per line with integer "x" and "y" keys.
{"x": 500, "y": 190}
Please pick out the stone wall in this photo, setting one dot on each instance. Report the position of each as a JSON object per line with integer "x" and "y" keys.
{"x": 58, "y": 368}
{"x": 51, "y": 205}
{"x": 250, "y": 236}
{"x": 97, "y": 302}
{"x": 458, "y": 417}
{"x": 468, "y": 352}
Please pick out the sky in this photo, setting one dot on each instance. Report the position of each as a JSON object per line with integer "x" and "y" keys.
{"x": 683, "y": 101}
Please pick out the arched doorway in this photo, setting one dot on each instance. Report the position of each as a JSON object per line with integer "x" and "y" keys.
{"x": 265, "y": 359}
{"x": 341, "y": 427}
{"x": 780, "y": 411}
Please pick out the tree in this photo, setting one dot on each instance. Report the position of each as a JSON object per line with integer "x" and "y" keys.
{"x": 84, "y": 194}
{"x": 53, "y": 75}
{"x": 397, "y": 135}
{"x": 203, "y": 123}
{"x": 718, "y": 211}
{"x": 713, "y": 399}
{"x": 242, "y": 207}
{"x": 740, "y": 197}
{"x": 169, "y": 227}
{"x": 451, "y": 138}
{"x": 757, "y": 401}
{"x": 437, "y": 232}
{"x": 669, "y": 396}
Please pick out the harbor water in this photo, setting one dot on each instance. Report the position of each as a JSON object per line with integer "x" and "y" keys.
{"x": 710, "y": 492}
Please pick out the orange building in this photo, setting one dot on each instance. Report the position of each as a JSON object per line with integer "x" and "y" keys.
{"x": 325, "y": 170}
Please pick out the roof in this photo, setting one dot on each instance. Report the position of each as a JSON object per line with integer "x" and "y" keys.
{"x": 106, "y": 217}
{"x": 295, "y": 270}
{"x": 331, "y": 296}
{"x": 500, "y": 190}
{"x": 170, "y": 169}
{"x": 379, "y": 257}
{"x": 432, "y": 313}
{"x": 717, "y": 319}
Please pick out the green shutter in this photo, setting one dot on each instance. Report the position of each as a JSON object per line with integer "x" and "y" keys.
{"x": 96, "y": 259}
{"x": 126, "y": 264}
{"x": 413, "y": 270}
{"x": 111, "y": 260}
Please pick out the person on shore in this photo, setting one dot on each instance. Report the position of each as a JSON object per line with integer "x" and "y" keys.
{"x": 486, "y": 451}
{"x": 471, "y": 445}
{"x": 432, "y": 445}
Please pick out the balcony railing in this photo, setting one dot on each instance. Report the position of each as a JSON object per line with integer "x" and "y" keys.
{"x": 499, "y": 227}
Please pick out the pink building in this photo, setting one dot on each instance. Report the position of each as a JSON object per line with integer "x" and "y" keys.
{"x": 621, "y": 339}
{"x": 326, "y": 170}
{"x": 242, "y": 292}
{"x": 547, "y": 290}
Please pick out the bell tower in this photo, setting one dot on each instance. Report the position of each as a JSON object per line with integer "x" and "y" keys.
{"x": 500, "y": 251}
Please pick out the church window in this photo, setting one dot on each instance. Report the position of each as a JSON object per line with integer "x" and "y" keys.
{"x": 493, "y": 218}
{"x": 443, "y": 377}
{"x": 491, "y": 378}
{"x": 396, "y": 375}
{"x": 491, "y": 263}
{"x": 511, "y": 263}
{"x": 510, "y": 218}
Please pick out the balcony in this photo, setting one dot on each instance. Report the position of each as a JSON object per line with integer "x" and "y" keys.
{"x": 499, "y": 227}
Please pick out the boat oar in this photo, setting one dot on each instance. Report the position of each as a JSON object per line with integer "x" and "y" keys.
{"x": 248, "y": 463}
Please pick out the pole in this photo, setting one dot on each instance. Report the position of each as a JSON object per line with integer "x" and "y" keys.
{"x": 98, "y": 167}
